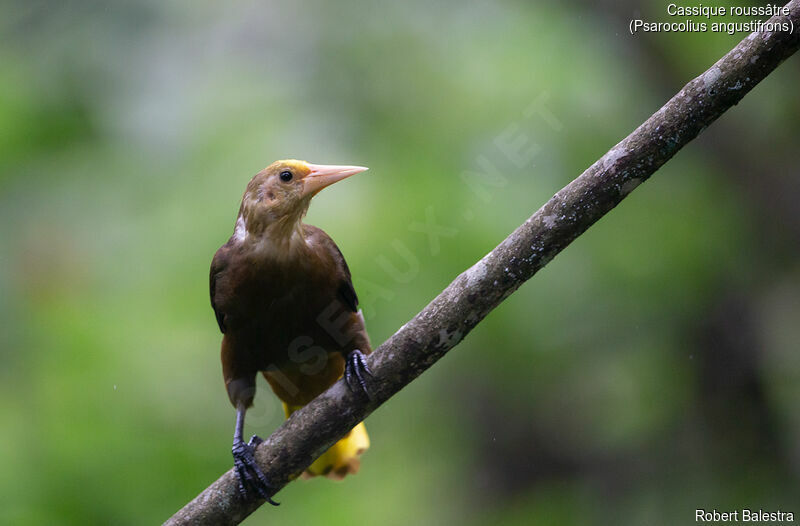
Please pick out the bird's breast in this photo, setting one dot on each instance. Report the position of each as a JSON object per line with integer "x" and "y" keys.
{"x": 274, "y": 307}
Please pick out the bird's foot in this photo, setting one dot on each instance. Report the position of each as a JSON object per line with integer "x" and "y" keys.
{"x": 354, "y": 371}
{"x": 251, "y": 478}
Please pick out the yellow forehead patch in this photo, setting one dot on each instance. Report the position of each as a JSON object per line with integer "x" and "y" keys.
{"x": 295, "y": 165}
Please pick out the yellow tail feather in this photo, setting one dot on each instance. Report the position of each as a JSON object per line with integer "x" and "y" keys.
{"x": 343, "y": 458}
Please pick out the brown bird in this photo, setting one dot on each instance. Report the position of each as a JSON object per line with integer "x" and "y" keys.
{"x": 285, "y": 303}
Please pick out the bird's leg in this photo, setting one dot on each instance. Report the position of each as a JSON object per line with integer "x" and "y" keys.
{"x": 355, "y": 369}
{"x": 247, "y": 471}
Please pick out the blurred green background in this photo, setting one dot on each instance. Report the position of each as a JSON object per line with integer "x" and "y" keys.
{"x": 650, "y": 369}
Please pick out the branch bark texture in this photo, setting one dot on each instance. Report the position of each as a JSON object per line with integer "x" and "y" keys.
{"x": 472, "y": 295}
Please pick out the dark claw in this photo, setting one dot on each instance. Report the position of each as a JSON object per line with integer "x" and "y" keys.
{"x": 250, "y": 476}
{"x": 354, "y": 370}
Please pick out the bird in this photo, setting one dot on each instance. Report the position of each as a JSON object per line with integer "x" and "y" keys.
{"x": 284, "y": 301}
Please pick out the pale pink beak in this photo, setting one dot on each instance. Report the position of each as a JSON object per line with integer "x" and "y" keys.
{"x": 323, "y": 175}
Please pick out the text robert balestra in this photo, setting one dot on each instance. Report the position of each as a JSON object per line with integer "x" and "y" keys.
{"x": 743, "y": 515}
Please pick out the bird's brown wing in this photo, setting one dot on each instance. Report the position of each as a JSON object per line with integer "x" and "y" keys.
{"x": 218, "y": 265}
{"x": 346, "y": 292}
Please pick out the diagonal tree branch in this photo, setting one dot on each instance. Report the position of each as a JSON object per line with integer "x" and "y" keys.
{"x": 472, "y": 295}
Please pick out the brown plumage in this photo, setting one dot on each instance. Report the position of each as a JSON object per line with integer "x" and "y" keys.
{"x": 284, "y": 301}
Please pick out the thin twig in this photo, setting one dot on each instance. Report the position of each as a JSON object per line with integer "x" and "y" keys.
{"x": 473, "y": 294}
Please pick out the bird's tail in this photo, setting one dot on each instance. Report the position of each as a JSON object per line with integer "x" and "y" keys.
{"x": 343, "y": 458}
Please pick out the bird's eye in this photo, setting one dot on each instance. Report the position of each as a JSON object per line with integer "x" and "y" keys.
{"x": 286, "y": 176}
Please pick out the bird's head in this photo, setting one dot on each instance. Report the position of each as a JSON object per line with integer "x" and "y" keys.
{"x": 277, "y": 197}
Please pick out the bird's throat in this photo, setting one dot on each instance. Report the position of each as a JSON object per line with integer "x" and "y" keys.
{"x": 282, "y": 238}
